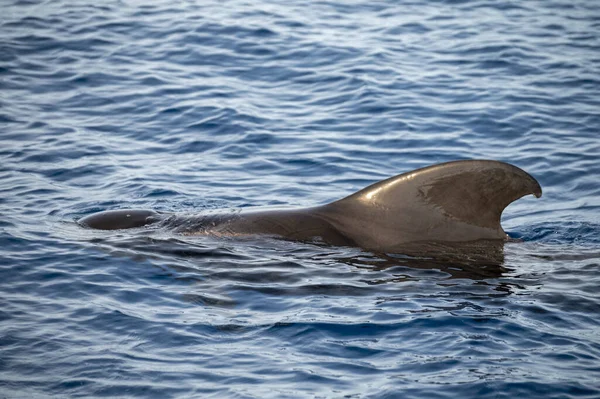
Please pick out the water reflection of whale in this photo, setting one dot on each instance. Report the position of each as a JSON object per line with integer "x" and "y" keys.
{"x": 449, "y": 207}
{"x": 479, "y": 261}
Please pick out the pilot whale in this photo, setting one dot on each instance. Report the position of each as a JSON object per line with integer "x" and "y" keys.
{"x": 446, "y": 204}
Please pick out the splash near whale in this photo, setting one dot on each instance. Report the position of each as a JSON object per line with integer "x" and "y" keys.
{"x": 444, "y": 205}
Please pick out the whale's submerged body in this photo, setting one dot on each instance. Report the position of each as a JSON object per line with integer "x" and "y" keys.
{"x": 448, "y": 204}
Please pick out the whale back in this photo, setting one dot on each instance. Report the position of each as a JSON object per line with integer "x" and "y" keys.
{"x": 447, "y": 205}
{"x": 119, "y": 219}
{"x": 451, "y": 202}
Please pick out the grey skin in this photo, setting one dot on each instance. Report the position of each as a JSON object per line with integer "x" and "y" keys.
{"x": 440, "y": 206}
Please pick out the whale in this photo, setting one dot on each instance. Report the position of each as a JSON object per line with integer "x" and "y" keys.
{"x": 454, "y": 204}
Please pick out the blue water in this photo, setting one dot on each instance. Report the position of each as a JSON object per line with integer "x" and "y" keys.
{"x": 194, "y": 106}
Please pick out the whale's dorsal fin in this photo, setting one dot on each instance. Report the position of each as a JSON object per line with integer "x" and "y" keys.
{"x": 453, "y": 201}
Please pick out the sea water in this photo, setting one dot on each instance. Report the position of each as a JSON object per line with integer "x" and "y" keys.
{"x": 195, "y": 106}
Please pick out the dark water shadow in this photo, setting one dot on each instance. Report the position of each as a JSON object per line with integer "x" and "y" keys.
{"x": 475, "y": 260}
{"x": 277, "y": 261}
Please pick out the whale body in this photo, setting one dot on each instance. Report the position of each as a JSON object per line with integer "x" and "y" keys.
{"x": 447, "y": 204}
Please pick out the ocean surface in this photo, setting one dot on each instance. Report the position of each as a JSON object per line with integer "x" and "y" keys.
{"x": 193, "y": 106}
